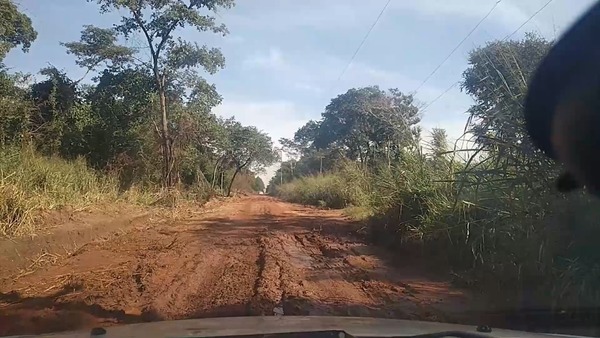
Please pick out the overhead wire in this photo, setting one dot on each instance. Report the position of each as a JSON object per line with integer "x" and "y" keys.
{"x": 362, "y": 42}
{"x": 456, "y": 47}
{"x": 437, "y": 67}
{"x": 439, "y": 96}
{"x": 526, "y": 21}
{"x": 504, "y": 39}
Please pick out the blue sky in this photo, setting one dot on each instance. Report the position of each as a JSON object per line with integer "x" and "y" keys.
{"x": 284, "y": 56}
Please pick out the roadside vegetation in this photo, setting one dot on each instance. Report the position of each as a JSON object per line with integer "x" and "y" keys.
{"x": 486, "y": 206}
{"x": 137, "y": 127}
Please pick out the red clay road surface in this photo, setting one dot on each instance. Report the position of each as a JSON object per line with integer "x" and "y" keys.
{"x": 242, "y": 257}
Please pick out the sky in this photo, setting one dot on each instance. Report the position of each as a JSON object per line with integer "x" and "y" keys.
{"x": 285, "y": 59}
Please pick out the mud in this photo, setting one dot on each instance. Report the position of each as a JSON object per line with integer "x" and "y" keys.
{"x": 243, "y": 257}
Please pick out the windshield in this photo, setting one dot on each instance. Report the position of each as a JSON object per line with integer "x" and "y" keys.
{"x": 177, "y": 159}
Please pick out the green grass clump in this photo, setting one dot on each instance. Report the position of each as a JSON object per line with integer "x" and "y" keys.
{"x": 347, "y": 187}
{"x": 323, "y": 191}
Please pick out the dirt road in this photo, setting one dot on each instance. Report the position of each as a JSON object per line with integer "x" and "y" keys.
{"x": 245, "y": 256}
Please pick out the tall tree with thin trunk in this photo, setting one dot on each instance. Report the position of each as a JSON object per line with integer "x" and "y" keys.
{"x": 174, "y": 62}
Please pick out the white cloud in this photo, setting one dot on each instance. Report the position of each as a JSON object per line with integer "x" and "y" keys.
{"x": 508, "y": 13}
{"x": 308, "y": 87}
{"x": 447, "y": 112}
{"x": 317, "y": 73}
{"x": 235, "y": 39}
{"x": 277, "y": 118}
{"x": 272, "y": 60}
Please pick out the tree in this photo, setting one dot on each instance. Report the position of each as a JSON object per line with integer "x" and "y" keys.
{"x": 15, "y": 29}
{"x": 15, "y": 108}
{"x": 439, "y": 142}
{"x": 497, "y": 80}
{"x": 259, "y": 185}
{"x": 366, "y": 124}
{"x": 247, "y": 148}
{"x": 121, "y": 103}
{"x": 304, "y": 137}
{"x": 54, "y": 99}
{"x": 173, "y": 61}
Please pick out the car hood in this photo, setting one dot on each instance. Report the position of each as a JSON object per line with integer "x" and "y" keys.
{"x": 235, "y": 326}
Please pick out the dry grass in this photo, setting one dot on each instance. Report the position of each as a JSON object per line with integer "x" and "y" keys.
{"x": 30, "y": 183}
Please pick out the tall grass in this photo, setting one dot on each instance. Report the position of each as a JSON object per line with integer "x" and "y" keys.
{"x": 521, "y": 243}
{"x": 30, "y": 182}
{"x": 325, "y": 191}
{"x": 345, "y": 188}
{"x": 496, "y": 228}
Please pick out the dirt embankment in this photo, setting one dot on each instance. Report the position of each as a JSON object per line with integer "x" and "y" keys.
{"x": 247, "y": 256}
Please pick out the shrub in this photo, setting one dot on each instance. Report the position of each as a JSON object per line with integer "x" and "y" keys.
{"x": 322, "y": 191}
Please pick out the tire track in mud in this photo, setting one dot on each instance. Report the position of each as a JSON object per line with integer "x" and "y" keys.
{"x": 267, "y": 291}
{"x": 199, "y": 279}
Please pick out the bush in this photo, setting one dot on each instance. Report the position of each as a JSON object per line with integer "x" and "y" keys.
{"x": 405, "y": 198}
{"x": 347, "y": 187}
{"x": 339, "y": 190}
{"x": 323, "y": 191}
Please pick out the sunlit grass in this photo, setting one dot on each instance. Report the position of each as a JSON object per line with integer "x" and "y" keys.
{"x": 30, "y": 183}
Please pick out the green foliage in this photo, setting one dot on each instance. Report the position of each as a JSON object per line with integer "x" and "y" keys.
{"x": 347, "y": 187}
{"x": 121, "y": 105}
{"x": 15, "y": 29}
{"x": 366, "y": 124}
{"x": 247, "y": 147}
{"x": 55, "y": 99}
{"x": 497, "y": 80}
{"x": 98, "y": 45}
{"x": 173, "y": 62}
{"x": 259, "y": 185}
{"x": 15, "y": 109}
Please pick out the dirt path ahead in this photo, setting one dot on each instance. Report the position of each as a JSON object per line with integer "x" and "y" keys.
{"x": 247, "y": 256}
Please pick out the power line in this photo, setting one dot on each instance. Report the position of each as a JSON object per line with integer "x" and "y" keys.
{"x": 439, "y": 96}
{"x": 361, "y": 44}
{"x": 505, "y": 38}
{"x": 526, "y": 21}
{"x": 457, "y": 46}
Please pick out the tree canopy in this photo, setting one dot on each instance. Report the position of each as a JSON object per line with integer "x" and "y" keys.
{"x": 173, "y": 61}
{"x": 247, "y": 147}
{"x": 16, "y": 29}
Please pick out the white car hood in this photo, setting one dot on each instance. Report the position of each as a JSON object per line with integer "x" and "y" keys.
{"x": 232, "y": 326}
